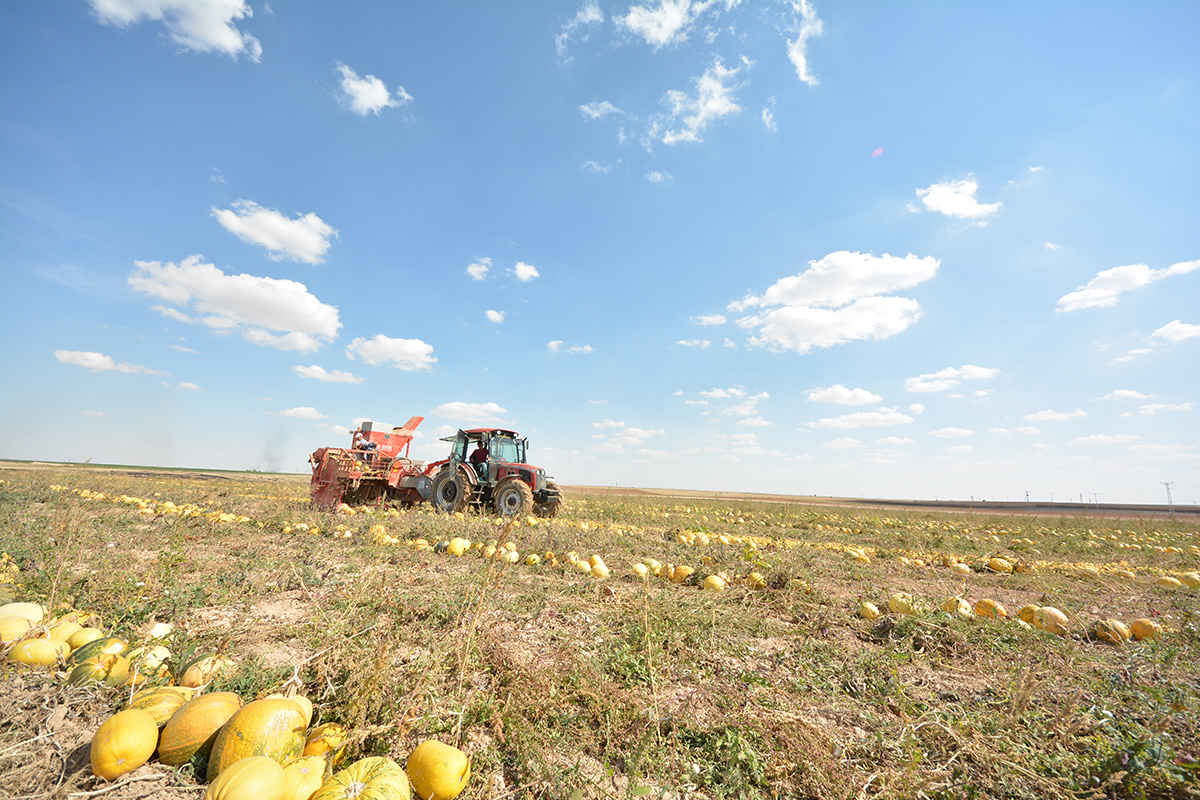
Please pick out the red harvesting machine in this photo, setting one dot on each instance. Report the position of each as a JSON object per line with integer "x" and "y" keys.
{"x": 370, "y": 475}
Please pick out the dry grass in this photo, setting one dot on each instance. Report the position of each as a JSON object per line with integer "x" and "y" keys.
{"x": 561, "y": 686}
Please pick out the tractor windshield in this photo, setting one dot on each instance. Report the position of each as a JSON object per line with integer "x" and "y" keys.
{"x": 506, "y": 450}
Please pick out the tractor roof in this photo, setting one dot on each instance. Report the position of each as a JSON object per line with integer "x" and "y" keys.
{"x": 473, "y": 433}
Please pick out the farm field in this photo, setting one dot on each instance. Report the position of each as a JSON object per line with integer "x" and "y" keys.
{"x": 561, "y": 683}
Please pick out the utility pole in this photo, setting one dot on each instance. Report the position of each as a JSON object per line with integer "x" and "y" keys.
{"x": 1170, "y": 502}
{"x": 1026, "y": 495}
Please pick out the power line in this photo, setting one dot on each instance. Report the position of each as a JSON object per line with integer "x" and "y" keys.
{"x": 1170, "y": 502}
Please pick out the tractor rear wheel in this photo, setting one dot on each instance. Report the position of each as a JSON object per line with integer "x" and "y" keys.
{"x": 451, "y": 491}
{"x": 553, "y": 502}
{"x": 512, "y": 497}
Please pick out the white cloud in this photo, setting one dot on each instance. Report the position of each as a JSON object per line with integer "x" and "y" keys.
{"x": 1150, "y": 409}
{"x": 757, "y": 422}
{"x": 960, "y": 448}
{"x": 495, "y": 316}
{"x": 600, "y": 110}
{"x": 302, "y": 412}
{"x": 191, "y": 387}
{"x": 1049, "y": 415}
{"x": 1125, "y": 394}
{"x": 556, "y": 346}
{"x": 746, "y": 444}
{"x": 1106, "y": 288}
{"x": 1159, "y": 453}
{"x": 957, "y": 199}
{"x": 98, "y": 362}
{"x": 589, "y": 16}
{"x": 525, "y": 272}
{"x": 769, "y": 120}
{"x": 729, "y": 343}
{"x": 688, "y": 116}
{"x": 948, "y": 378}
{"x": 1104, "y": 438}
{"x": 619, "y": 439}
{"x": 412, "y": 355}
{"x": 664, "y": 25}
{"x": 369, "y": 95}
{"x": 839, "y": 299}
{"x": 805, "y": 27}
{"x": 880, "y": 417}
{"x": 916, "y": 408}
{"x": 701, "y": 343}
{"x": 1027, "y": 430}
{"x": 318, "y": 373}
{"x": 1051, "y": 246}
{"x": 894, "y": 440}
{"x": 844, "y": 443}
{"x": 608, "y": 423}
{"x": 1177, "y": 331}
{"x": 231, "y": 302}
{"x": 842, "y": 396}
{"x": 479, "y": 269}
{"x": 204, "y": 27}
{"x": 654, "y": 176}
{"x": 709, "y": 319}
{"x": 951, "y": 433}
{"x": 722, "y": 394}
{"x": 95, "y": 414}
{"x": 183, "y": 349}
{"x": 595, "y": 168}
{"x": 471, "y": 413}
{"x": 305, "y": 238}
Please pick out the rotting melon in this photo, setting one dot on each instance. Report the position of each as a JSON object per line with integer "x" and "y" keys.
{"x": 193, "y": 728}
{"x": 272, "y": 727}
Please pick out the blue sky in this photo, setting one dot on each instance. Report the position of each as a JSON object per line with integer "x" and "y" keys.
{"x": 885, "y": 250}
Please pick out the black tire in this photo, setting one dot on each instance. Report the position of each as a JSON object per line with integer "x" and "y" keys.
{"x": 553, "y": 502}
{"x": 451, "y": 491}
{"x": 512, "y": 497}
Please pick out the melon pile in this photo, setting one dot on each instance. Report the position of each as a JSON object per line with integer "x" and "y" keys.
{"x": 264, "y": 749}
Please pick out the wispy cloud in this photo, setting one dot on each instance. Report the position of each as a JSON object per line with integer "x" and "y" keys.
{"x": 1106, "y": 288}
{"x": 688, "y": 115}
{"x": 880, "y": 417}
{"x": 318, "y": 373}
{"x": 98, "y": 362}
{"x": 1050, "y": 415}
{"x": 578, "y": 27}
{"x": 842, "y": 396}
{"x": 804, "y": 26}
{"x": 948, "y": 378}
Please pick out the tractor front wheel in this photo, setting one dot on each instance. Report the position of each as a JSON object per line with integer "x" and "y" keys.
{"x": 451, "y": 491}
{"x": 512, "y": 497}
{"x": 553, "y": 501}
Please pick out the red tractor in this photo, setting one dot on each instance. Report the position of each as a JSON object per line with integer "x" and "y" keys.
{"x": 373, "y": 470}
{"x": 495, "y": 473}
